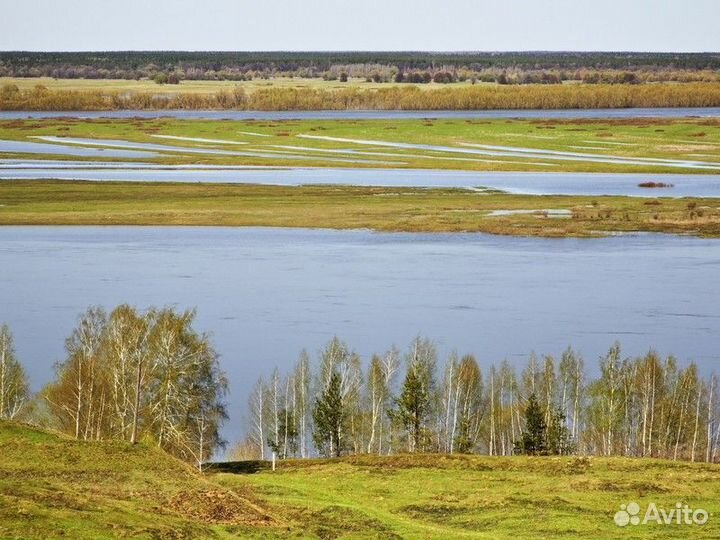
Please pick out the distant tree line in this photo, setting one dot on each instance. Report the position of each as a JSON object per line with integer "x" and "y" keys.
{"x": 644, "y": 406}
{"x": 127, "y": 376}
{"x": 517, "y": 67}
{"x": 391, "y": 98}
{"x": 379, "y": 73}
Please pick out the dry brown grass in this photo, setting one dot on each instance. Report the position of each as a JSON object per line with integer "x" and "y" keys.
{"x": 533, "y": 96}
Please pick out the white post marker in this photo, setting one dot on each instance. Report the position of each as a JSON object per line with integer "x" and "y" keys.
{"x": 273, "y": 461}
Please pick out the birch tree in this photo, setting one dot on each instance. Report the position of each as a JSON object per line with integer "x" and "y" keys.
{"x": 649, "y": 380}
{"x": 187, "y": 383}
{"x": 448, "y": 403}
{"x": 390, "y": 365}
{"x": 273, "y": 401}
{"x": 572, "y": 385}
{"x": 127, "y": 357}
{"x": 78, "y": 397}
{"x": 468, "y": 407}
{"x": 258, "y": 414}
{"x": 604, "y": 411}
{"x": 302, "y": 378}
{"x": 376, "y": 394}
{"x": 127, "y": 376}
{"x": 709, "y": 422}
{"x": 14, "y": 388}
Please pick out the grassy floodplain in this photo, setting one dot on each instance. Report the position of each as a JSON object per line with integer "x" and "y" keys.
{"x": 429, "y": 144}
{"x": 52, "y": 486}
{"x": 206, "y": 86}
{"x": 585, "y": 145}
{"x": 33, "y": 202}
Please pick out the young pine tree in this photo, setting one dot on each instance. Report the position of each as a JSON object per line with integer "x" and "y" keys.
{"x": 329, "y": 418}
{"x": 412, "y": 407}
{"x": 533, "y": 440}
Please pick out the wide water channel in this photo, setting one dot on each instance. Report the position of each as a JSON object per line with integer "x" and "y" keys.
{"x": 267, "y": 293}
{"x": 683, "y": 185}
{"x": 670, "y": 112}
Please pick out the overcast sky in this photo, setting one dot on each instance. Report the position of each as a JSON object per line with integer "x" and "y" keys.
{"x": 445, "y": 25}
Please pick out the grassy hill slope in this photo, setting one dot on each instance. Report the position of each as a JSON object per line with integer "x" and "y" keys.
{"x": 52, "y": 487}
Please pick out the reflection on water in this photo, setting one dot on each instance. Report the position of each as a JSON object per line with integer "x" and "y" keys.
{"x": 267, "y": 293}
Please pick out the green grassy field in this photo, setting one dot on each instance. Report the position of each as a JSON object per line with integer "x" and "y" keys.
{"x": 31, "y": 202}
{"x": 52, "y": 487}
{"x": 587, "y": 145}
{"x": 442, "y": 497}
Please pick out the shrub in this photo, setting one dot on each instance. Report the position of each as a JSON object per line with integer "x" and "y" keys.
{"x": 160, "y": 78}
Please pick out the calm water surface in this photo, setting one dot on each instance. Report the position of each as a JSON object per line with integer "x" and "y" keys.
{"x": 677, "y": 112}
{"x": 684, "y": 185}
{"x": 30, "y": 147}
{"x": 267, "y": 293}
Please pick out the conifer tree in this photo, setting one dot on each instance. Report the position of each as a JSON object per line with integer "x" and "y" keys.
{"x": 329, "y": 417}
{"x": 412, "y": 406}
{"x": 415, "y": 401}
{"x": 533, "y": 440}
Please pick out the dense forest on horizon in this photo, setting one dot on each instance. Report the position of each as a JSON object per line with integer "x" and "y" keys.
{"x": 290, "y": 60}
{"x": 399, "y": 66}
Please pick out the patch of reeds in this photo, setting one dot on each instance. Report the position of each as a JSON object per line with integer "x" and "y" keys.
{"x": 575, "y": 96}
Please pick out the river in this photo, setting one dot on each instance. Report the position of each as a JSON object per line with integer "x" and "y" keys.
{"x": 267, "y": 293}
{"x": 670, "y": 112}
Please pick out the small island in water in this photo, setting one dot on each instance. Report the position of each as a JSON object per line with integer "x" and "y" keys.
{"x": 655, "y": 185}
